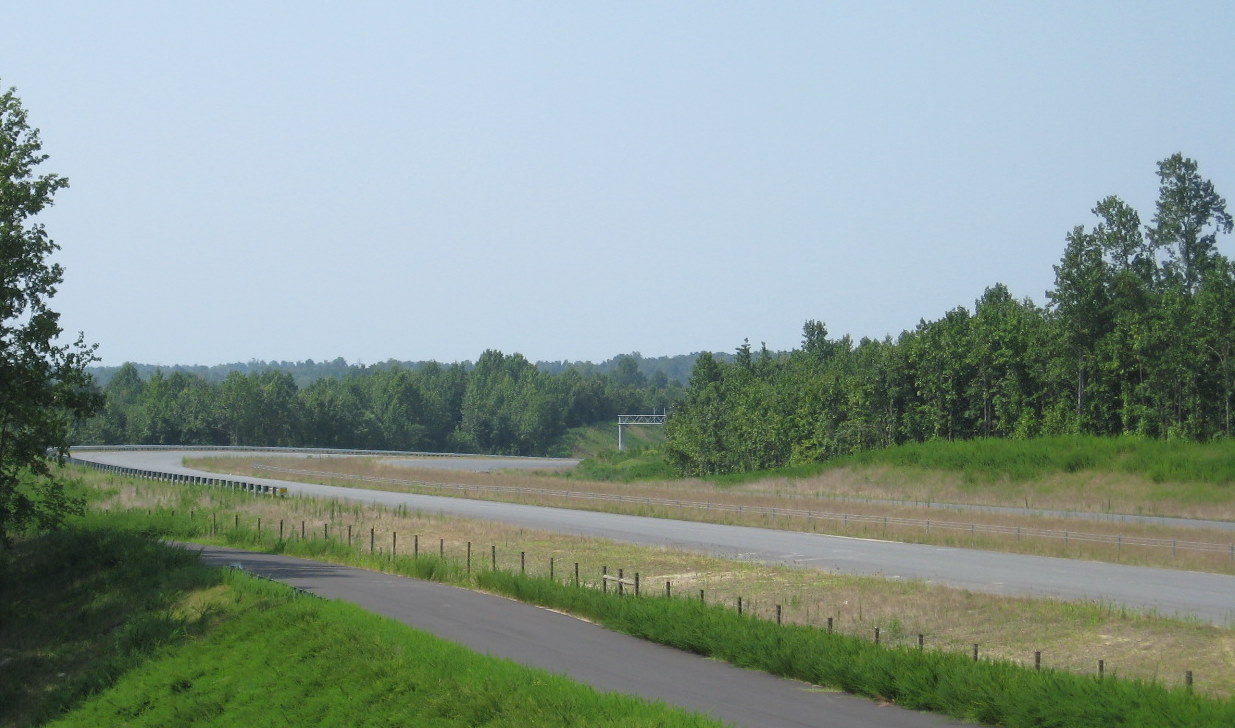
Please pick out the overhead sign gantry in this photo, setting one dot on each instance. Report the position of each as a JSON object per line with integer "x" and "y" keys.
{"x": 624, "y": 420}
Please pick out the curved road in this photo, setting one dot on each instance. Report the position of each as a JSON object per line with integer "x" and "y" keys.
{"x": 1209, "y": 597}
{"x": 584, "y": 652}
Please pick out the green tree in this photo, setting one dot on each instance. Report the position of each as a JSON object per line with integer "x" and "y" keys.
{"x": 44, "y": 388}
{"x": 1081, "y": 301}
{"x": 1189, "y": 216}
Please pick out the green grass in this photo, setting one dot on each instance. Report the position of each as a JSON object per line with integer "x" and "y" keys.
{"x": 986, "y": 460}
{"x": 592, "y": 440}
{"x": 635, "y": 464}
{"x": 993, "y": 692}
{"x": 105, "y": 626}
{"x": 596, "y": 445}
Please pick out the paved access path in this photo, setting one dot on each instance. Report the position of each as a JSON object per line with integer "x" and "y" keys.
{"x": 552, "y": 641}
{"x": 1209, "y": 597}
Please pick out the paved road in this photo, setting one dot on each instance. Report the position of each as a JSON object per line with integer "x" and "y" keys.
{"x": 1209, "y": 597}
{"x": 587, "y": 653}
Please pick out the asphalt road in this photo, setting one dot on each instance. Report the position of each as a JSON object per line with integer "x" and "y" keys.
{"x": 1208, "y": 597}
{"x": 561, "y": 644}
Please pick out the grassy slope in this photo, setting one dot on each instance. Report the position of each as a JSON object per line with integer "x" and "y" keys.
{"x": 993, "y": 460}
{"x": 106, "y": 627}
{"x": 597, "y": 445}
{"x": 585, "y": 442}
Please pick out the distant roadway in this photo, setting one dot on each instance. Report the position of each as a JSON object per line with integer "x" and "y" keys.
{"x": 1209, "y": 597}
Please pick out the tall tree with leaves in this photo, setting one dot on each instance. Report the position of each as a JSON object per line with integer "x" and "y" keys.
{"x": 1189, "y": 217}
{"x": 43, "y": 384}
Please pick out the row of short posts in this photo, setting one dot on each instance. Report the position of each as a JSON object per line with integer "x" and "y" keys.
{"x": 620, "y": 581}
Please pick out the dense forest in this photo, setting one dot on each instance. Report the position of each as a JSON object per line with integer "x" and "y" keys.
{"x": 1137, "y": 337}
{"x": 502, "y": 404}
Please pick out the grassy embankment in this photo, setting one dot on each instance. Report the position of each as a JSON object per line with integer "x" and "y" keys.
{"x": 103, "y": 626}
{"x": 1083, "y": 473}
{"x": 1071, "y": 637}
{"x": 1077, "y": 474}
{"x": 596, "y": 446}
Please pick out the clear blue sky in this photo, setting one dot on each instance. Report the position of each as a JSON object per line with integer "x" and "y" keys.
{"x": 375, "y": 180}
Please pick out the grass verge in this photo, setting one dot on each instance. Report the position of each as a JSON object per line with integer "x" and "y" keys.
{"x": 993, "y": 461}
{"x": 104, "y": 626}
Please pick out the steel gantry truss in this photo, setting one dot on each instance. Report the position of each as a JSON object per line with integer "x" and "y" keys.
{"x": 624, "y": 420}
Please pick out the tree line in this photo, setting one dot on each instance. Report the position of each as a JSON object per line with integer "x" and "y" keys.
{"x": 1137, "y": 337}
{"x": 674, "y": 368}
{"x": 502, "y": 404}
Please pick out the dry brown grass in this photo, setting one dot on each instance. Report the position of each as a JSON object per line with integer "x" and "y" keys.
{"x": 1070, "y": 636}
{"x": 812, "y": 494}
{"x": 1086, "y": 492}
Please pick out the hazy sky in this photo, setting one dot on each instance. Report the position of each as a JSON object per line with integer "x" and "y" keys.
{"x": 574, "y": 180}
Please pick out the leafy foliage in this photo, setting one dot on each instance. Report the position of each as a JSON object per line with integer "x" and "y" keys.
{"x": 1137, "y": 339}
{"x": 43, "y": 385}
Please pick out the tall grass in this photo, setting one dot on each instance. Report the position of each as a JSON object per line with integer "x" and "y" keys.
{"x": 986, "y": 460}
{"x": 1019, "y": 460}
{"x": 81, "y": 608}
{"x": 625, "y": 467}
